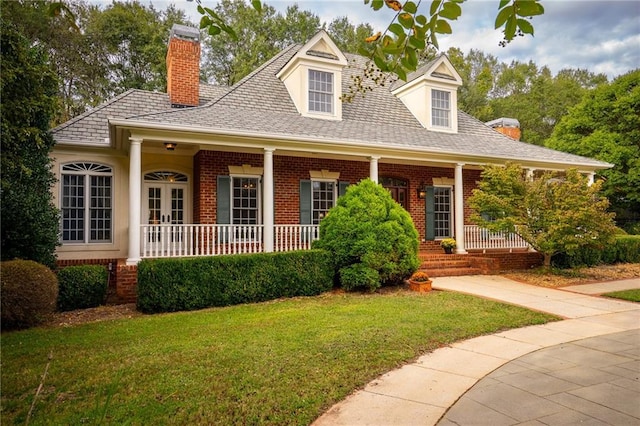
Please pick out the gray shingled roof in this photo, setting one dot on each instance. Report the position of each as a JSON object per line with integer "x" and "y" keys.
{"x": 260, "y": 103}
{"x": 92, "y": 126}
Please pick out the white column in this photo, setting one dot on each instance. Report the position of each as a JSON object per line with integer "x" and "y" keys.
{"x": 135, "y": 199}
{"x": 267, "y": 200}
{"x": 373, "y": 168}
{"x": 530, "y": 174}
{"x": 459, "y": 210}
{"x": 591, "y": 178}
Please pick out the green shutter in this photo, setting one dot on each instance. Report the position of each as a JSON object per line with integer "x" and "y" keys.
{"x": 342, "y": 188}
{"x": 305, "y": 202}
{"x": 224, "y": 200}
{"x": 430, "y": 214}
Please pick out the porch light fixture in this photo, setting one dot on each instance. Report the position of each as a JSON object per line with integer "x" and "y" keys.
{"x": 170, "y": 146}
{"x": 422, "y": 193}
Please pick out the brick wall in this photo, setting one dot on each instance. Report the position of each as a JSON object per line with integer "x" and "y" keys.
{"x": 288, "y": 171}
{"x": 183, "y": 72}
{"x": 127, "y": 282}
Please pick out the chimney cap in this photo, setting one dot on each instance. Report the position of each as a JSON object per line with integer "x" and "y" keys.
{"x": 503, "y": 122}
{"x": 184, "y": 32}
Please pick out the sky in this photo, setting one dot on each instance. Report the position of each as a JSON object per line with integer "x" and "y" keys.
{"x": 602, "y": 36}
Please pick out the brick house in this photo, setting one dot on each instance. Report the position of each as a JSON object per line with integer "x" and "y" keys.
{"x": 207, "y": 170}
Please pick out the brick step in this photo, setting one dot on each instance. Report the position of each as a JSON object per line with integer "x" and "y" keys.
{"x": 453, "y": 272}
{"x": 438, "y": 264}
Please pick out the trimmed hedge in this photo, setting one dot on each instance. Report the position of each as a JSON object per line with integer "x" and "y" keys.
{"x": 29, "y": 292}
{"x": 83, "y": 286}
{"x": 169, "y": 285}
{"x": 625, "y": 249}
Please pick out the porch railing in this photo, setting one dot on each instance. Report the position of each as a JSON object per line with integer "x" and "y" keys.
{"x": 212, "y": 240}
{"x": 478, "y": 238}
{"x": 294, "y": 237}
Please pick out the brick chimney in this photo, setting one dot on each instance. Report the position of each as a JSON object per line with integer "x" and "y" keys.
{"x": 506, "y": 126}
{"x": 183, "y": 66}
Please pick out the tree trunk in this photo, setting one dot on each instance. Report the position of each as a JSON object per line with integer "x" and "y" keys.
{"x": 547, "y": 260}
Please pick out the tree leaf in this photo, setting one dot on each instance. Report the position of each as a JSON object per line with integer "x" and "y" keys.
{"x": 435, "y": 5}
{"x": 410, "y": 7}
{"x": 525, "y": 26}
{"x": 443, "y": 27}
{"x": 377, "y": 4}
{"x": 421, "y": 19}
{"x": 396, "y": 29}
{"x": 503, "y": 15}
{"x": 528, "y": 8}
{"x": 257, "y": 5}
{"x": 213, "y": 30}
{"x": 451, "y": 11}
{"x": 510, "y": 28}
{"x": 205, "y": 21}
{"x": 416, "y": 43}
{"x": 401, "y": 73}
{"x": 406, "y": 20}
{"x": 503, "y": 3}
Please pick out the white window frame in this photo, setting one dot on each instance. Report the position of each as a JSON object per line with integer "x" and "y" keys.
{"x": 335, "y": 197}
{"x": 331, "y": 94}
{"x": 87, "y": 170}
{"x": 451, "y": 213}
{"x": 235, "y": 235}
{"x": 448, "y": 110}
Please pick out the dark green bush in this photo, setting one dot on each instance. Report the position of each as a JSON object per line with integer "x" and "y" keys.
{"x": 369, "y": 234}
{"x": 29, "y": 292}
{"x": 81, "y": 287}
{"x": 625, "y": 249}
{"x": 168, "y": 285}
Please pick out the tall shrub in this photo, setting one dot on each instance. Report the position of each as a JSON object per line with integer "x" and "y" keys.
{"x": 83, "y": 286}
{"x": 371, "y": 237}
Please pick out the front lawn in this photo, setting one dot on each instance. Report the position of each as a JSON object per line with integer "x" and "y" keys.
{"x": 630, "y": 295}
{"x": 281, "y": 362}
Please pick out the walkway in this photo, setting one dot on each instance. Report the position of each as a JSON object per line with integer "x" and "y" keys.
{"x": 422, "y": 392}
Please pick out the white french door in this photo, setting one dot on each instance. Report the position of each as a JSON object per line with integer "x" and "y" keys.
{"x": 166, "y": 203}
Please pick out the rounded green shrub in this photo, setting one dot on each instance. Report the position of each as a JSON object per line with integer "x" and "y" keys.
{"x": 81, "y": 287}
{"x": 371, "y": 237}
{"x": 29, "y": 293}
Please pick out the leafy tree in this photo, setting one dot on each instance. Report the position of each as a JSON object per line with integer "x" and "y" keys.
{"x": 536, "y": 98}
{"x": 348, "y": 38}
{"x": 371, "y": 237}
{"x": 258, "y": 36}
{"x": 28, "y": 88}
{"x": 606, "y": 126}
{"x": 554, "y": 214}
{"x": 133, "y": 40}
{"x": 479, "y": 72}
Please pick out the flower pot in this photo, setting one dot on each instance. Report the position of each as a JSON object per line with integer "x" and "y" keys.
{"x": 420, "y": 286}
{"x": 448, "y": 250}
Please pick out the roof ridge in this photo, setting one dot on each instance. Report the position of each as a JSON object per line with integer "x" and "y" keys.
{"x": 233, "y": 88}
{"x": 98, "y": 108}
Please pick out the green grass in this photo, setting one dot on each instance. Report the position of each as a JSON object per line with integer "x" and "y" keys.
{"x": 630, "y": 295}
{"x": 281, "y": 362}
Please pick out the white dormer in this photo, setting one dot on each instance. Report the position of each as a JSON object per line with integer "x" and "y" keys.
{"x": 431, "y": 94}
{"x": 313, "y": 78}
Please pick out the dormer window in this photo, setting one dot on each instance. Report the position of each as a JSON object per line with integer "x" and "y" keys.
{"x": 320, "y": 91}
{"x": 313, "y": 78}
{"x": 440, "y": 108}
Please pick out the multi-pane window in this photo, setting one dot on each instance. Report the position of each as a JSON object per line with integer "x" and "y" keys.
{"x": 86, "y": 203}
{"x": 324, "y": 196}
{"x": 440, "y": 108}
{"x": 320, "y": 91}
{"x": 442, "y": 207}
{"x": 245, "y": 201}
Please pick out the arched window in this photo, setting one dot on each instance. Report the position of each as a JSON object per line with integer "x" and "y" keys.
{"x": 86, "y": 203}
